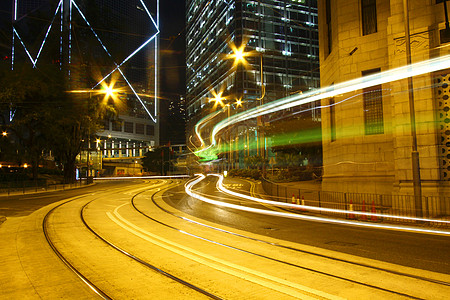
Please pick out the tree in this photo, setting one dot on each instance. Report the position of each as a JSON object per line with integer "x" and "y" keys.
{"x": 77, "y": 120}
{"x": 255, "y": 161}
{"x": 47, "y": 117}
{"x": 32, "y": 95}
{"x": 159, "y": 160}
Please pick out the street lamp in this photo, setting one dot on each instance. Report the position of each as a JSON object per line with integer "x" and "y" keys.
{"x": 109, "y": 92}
{"x": 414, "y": 152}
{"x": 230, "y": 157}
{"x": 218, "y": 98}
{"x": 239, "y": 57}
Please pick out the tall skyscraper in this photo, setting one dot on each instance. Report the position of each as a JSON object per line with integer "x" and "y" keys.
{"x": 114, "y": 42}
{"x": 282, "y": 35}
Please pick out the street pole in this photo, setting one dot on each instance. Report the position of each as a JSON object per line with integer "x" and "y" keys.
{"x": 414, "y": 152}
{"x": 261, "y": 139}
{"x": 230, "y": 156}
{"x": 87, "y": 159}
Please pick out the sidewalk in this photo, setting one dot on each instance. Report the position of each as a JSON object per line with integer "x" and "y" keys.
{"x": 35, "y": 190}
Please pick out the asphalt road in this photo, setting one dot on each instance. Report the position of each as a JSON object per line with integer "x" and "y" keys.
{"x": 423, "y": 251}
{"x": 24, "y": 205}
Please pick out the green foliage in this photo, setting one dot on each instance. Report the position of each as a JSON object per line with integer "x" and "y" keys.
{"x": 34, "y": 95}
{"x": 47, "y": 117}
{"x": 295, "y": 174}
{"x": 255, "y": 162}
{"x": 289, "y": 159}
{"x": 160, "y": 160}
{"x": 13, "y": 176}
{"x": 294, "y": 139}
{"x": 246, "y": 173}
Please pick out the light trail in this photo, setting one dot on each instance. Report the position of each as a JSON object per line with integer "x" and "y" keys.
{"x": 201, "y": 123}
{"x": 190, "y": 192}
{"x": 396, "y": 74}
{"x": 222, "y": 188}
{"x": 141, "y": 177}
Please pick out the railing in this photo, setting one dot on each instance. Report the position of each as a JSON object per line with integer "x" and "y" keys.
{"x": 34, "y": 186}
{"x": 433, "y": 207}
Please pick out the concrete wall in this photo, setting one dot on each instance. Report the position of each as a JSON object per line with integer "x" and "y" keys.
{"x": 380, "y": 163}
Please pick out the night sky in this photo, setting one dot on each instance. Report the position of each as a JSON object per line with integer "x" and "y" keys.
{"x": 173, "y": 46}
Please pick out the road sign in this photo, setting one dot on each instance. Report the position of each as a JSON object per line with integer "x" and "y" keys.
{"x": 272, "y": 161}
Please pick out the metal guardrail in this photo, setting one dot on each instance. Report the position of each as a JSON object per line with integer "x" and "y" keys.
{"x": 434, "y": 207}
{"x": 31, "y": 186}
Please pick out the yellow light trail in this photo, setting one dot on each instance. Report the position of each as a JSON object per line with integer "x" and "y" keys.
{"x": 396, "y": 74}
{"x": 190, "y": 192}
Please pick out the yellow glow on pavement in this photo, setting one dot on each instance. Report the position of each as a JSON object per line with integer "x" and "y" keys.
{"x": 269, "y": 281}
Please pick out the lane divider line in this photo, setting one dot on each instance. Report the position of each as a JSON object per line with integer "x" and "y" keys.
{"x": 257, "y": 277}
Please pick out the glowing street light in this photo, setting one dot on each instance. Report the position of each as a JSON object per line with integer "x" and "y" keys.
{"x": 109, "y": 91}
{"x": 238, "y": 55}
{"x": 4, "y": 133}
{"x": 218, "y": 99}
{"x": 238, "y": 103}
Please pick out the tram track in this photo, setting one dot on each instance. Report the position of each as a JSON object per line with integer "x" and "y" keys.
{"x": 331, "y": 258}
{"x": 254, "y": 194}
{"x": 95, "y": 288}
{"x": 161, "y": 192}
{"x": 66, "y": 261}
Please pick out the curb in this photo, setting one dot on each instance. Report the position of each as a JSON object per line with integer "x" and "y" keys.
{"x": 2, "y": 219}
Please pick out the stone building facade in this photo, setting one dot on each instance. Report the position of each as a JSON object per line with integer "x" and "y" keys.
{"x": 367, "y": 140}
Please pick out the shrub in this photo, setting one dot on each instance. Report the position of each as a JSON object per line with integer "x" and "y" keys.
{"x": 246, "y": 173}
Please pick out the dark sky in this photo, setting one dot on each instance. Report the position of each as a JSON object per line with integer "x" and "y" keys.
{"x": 172, "y": 68}
{"x": 173, "y": 61}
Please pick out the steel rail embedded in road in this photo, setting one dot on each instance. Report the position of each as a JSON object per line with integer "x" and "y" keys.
{"x": 141, "y": 261}
{"x": 431, "y": 280}
{"x": 83, "y": 278}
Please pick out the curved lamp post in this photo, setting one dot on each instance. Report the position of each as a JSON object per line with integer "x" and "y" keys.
{"x": 239, "y": 56}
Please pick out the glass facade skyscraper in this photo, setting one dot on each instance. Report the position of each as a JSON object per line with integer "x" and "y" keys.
{"x": 283, "y": 32}
{"x": 90, "y": 39}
